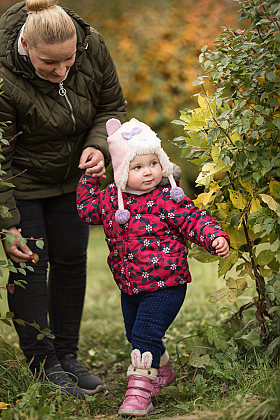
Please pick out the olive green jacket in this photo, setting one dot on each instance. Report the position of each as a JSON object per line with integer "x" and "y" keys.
{"x": 54, "y": 129}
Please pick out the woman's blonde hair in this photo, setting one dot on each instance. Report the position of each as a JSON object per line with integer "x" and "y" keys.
{"x": 47, "y": 23}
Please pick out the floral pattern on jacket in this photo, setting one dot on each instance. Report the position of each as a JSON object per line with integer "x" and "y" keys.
{"x": 149, "y": 251}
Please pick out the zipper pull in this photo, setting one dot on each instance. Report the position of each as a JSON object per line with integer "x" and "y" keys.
{"x": 62, "y": 90}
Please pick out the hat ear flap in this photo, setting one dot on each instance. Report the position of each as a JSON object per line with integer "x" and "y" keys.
{"x": 112, "y": 126}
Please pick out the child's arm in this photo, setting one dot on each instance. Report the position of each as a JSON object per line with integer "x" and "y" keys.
{"x": 197, "y": 226}
{"x": 221, "y": 246}
{"x": 88, "y": 200}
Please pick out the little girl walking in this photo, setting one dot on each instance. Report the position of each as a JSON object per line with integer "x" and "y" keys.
{"x": 146, "y": 226}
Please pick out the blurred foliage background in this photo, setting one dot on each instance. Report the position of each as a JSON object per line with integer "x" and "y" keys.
{"x": 155, "y": 45}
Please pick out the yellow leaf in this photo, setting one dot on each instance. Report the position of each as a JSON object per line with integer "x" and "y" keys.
{"x": 185, "y": 118}
{"x": 237, "y": 287}
{"x": 247, "y": 185}
{"x": 225, "y": 264}
{"x": 266, "y": 272}
{"x": 274, "y": 187}
{"x": 207, "y": 108}
{"x": 232, "y": 295}
{"x": 237, "y": 199}
{"x": 272, "y": 204}
{"x": 255, "y": 204}
{"x": 197, "y": 121}
{"x": 203, "y": 103}
{"x": 215, "y": 153}
{"x": 235, "y": 137}
{"x": 205, "y": 198}
{"x": 3, "y": 406}
{"x": 237, "y": 237}
{"x": 208, "y": 171}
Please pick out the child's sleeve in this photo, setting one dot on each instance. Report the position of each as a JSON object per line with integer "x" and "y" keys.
{"x": 88, "y": 200}
{"x": 195, "y": 224}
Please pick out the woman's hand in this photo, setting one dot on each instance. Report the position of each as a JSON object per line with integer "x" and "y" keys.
{"x": 221, "y": 246}
{"x": 17, "y": 252}
{"x": 92, "y": 160}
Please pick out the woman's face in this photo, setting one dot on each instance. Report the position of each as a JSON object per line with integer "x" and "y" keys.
{"x": 52, "y": 61}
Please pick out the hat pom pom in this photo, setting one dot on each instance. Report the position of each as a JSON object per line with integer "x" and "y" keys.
{"x": 177, "y": 194}
{"x": 122, "y": 216}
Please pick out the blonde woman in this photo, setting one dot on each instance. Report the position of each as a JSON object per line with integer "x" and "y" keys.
{"x": 60, "y": 86}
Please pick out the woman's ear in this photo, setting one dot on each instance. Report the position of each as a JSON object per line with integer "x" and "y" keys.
{"x": 24, "y": 44}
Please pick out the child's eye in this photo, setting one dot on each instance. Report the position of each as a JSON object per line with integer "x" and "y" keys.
{"x": 137, "y": 167}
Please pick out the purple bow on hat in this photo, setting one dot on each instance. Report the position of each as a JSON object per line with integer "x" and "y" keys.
{"x": 134, "y": 131}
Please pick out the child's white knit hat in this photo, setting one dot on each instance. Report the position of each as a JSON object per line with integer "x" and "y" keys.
{"x": 125, "y": 142}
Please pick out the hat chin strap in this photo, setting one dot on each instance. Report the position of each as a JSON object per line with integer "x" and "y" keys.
{"x": 122, "y": 216}
{"x": 176, "y": 193}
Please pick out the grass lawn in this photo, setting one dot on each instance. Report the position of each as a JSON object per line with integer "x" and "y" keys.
{"x": 105, "y": 351}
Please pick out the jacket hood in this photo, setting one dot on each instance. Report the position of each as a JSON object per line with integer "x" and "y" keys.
{"x": 10, "y": 25}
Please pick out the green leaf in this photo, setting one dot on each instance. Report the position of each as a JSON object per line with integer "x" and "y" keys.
{"x": 198, "y": 82}
{"x": 253, "y": 338}
{"x": 40, "y": 243}
{"x": 23, "y": 241}
{"x": 235, "y": 219}
{"x": 199, "y": 361}
{"x": 220, "y": 294}
{"x": 214, "y": 337}
{"x": 265, "y": 256}
{"x": 271, "y": 76}
{"x": 20, "y": 322}
{"x": 9, "y": 240}
{"x": 225, "y": 264}
{"x": 40, "y": 336}
{"x": 212, "y": 135}
{"x": 201, "y": 255}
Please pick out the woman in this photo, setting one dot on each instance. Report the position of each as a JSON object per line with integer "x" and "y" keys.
{"x": 60, "y": 87}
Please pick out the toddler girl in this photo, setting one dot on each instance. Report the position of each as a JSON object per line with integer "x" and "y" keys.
{"x": 146, "y": 226}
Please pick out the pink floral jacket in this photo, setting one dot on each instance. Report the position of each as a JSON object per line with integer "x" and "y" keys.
{"x": 149, "y": 251}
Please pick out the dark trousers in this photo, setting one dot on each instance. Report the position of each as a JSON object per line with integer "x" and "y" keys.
{"x": 56, "y": 303}
{"x": 147, "y": 316}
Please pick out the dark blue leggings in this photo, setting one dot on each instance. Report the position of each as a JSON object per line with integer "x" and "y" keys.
{"x": 58, "y": 302}
{"x": 147, "y": 316}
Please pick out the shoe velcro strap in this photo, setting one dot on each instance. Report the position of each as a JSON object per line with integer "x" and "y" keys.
{"x": 136, "y": 383}
{"x": 138, "y": 393}
{"x": 160, "y": 380}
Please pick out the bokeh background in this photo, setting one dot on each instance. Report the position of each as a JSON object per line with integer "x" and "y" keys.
{"x": 155, "y": 45}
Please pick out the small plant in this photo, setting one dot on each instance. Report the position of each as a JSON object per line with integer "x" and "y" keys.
{"x": 233, "y": 136}
{"x": 9, "y": 239}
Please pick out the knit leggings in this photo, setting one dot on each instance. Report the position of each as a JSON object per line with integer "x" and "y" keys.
{"x": 148, "y": 315}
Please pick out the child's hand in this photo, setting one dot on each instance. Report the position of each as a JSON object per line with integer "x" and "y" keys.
{"x": 221, "y": 246}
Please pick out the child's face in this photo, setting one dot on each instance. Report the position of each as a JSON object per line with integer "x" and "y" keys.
{"x": 144, "y": 172}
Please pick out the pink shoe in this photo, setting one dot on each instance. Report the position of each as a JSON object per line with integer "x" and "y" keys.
{"x": 165, "y": 376}
{"x": 137, "y": 397}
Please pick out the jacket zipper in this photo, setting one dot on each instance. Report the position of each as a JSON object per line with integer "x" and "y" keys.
{"x": 62, "y": 92}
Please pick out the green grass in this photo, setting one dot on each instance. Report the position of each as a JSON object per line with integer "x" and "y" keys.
{"x": 105, "y": 351}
